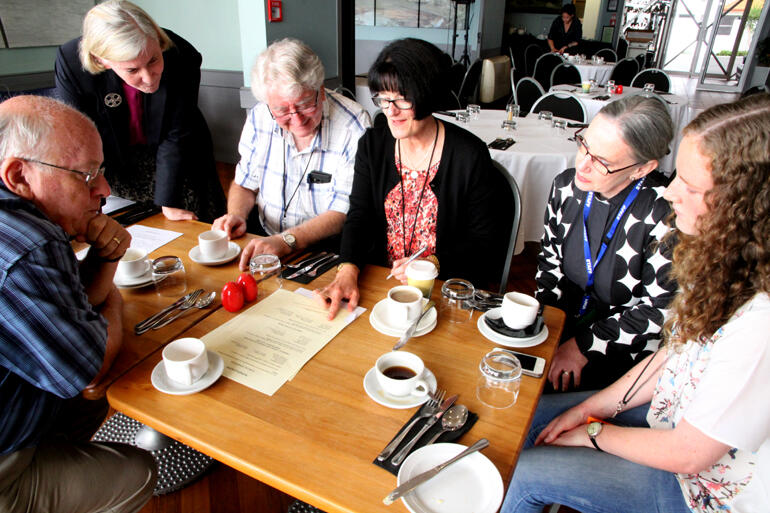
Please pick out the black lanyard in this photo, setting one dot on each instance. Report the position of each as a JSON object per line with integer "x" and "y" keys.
{"x": 301, "y": 178}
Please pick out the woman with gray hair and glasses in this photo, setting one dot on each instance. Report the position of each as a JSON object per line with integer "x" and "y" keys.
{"x": 600, "y": 259}
{"x": 139, "y": 84}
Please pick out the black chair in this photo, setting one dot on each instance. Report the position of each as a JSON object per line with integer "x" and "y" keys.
{"x": 515, "y": 226}
{"x": 565, "y": 73}
{"x": 608, "y": 54}
{"x": 563, "y": 105}
{"x": 624, "y": 71}
{"x": 531, "y": 53}
{"x": 469, "y": 90}
{"x": 622, "y": 49}
{"x": 514, "y": 98}
{"x": 544, "y": 67}
{"x": 527, "y": 93}
{"x": 653, "y": 76}
{"x": 641, "y": 61}
{"x": 456, "y": 76}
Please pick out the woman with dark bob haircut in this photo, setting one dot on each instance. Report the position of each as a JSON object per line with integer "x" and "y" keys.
{"x": 420, "y": 182}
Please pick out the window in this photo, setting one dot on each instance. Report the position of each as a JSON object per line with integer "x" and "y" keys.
{"x": 409, "y": 13}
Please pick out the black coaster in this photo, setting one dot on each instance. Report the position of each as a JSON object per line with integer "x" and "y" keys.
{"x": 178, "y": 464}
{"x": 304, "y": 278}
{"x": 498, "y": 326}
{"x": 449, "y": 436}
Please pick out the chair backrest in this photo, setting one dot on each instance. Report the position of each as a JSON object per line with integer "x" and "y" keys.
{"x": 495, "y": 81}
{"x": 653, "y": 76}
{"x": 527, "y": 93}
{"x": 516, "y": 222}
{"x": 641, "y": 60}
{"x": 622, "y": 49}
{"x": 544, "y": 67}
{"x": 456, "y": 76}
{"x": 531, "y": 53}
{"x": 565, "y": 73}
{"x": 608, "y": 54}
{"x": 469, "y": 90}
{"x": 563, "y": 105}
{"x": 624, "y": 71}
{"x": 514, "y": 98}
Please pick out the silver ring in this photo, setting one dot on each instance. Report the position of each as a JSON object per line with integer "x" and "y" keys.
{"x": 566, "y": 372}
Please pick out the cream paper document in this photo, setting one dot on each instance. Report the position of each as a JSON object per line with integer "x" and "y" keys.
{"x": 267, "y": 345}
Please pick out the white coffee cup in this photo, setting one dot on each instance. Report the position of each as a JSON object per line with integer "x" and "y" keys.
{"x": 404, "y": 304}
{"x": 133, "y": 264}
{"x": 213, "y": 244}
{"x": 400, "y": 373}
{"x": 519, "y": 310}
{"x": 186, "y": 360}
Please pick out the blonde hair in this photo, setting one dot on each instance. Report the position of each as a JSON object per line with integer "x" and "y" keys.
{"x": 728, "y": 262}
{"x": 290, "y": 64}
{"x": 117, "y": 30}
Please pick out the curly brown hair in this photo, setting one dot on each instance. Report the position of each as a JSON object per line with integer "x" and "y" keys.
{"x": 728, "y": 262}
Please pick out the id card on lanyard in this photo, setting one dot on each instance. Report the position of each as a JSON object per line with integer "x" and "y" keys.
{"x": 591, "y": 264}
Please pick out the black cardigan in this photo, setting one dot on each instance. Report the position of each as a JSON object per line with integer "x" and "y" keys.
{"x": 475, "y": 206}
{"x": 172, "y": 121}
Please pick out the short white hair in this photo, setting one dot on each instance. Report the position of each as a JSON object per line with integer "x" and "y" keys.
{"x": 290, "y": 64}
{"x": 117, "y": 30}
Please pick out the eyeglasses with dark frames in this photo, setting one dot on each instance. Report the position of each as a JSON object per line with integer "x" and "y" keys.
{"x": 400, "y": 103}
{"x": 304, "y": 109}
{"x": 90, "y": 176}
{"x": 597, "y": 164}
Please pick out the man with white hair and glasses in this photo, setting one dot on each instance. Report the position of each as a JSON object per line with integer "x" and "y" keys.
{"x": 62, "y": 319}
{"x": 297, "y": 151}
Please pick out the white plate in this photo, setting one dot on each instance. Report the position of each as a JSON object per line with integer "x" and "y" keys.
{"x": 494, "y": 336}
{"x": 373, "y": 389}
{"x": 473, "y": 484}
{"x": 133, "y": 283}
{"x": 160, "y": 379}
{"x": 379, "y": 320}
{"x": 233, "y": 250}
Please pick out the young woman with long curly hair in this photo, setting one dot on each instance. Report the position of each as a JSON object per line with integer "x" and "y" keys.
{"x": 688, "y": 428}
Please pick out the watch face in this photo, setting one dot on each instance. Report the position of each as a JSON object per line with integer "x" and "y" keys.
{"x": 290, "y": 239}
{"x": 594, "y": 428}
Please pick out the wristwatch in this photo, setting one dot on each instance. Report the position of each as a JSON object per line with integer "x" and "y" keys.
{"x": 593, "y": 429}
{"x": 290, "y": 240}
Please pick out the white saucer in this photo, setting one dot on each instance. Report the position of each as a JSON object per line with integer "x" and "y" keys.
{"x": 495, "y": 313}
{"x": 233, "y": 250}
{"x": 133, "y": 283}
{"x": 160, "y": 379}
{"x": 373, "y": 389}
{"x": 379, "y": 321}
{"x": 471, "y": 484}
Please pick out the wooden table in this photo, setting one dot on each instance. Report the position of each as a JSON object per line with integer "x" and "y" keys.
{"x": 316, "y": 437}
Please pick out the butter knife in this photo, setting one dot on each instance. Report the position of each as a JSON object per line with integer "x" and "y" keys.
{"x": 310, "y": 267}
{"x": 416, "y": 481}
{"x": 400, "y": 455}
{"x": 409, "y": 333}
{"x": 140, "y": 327}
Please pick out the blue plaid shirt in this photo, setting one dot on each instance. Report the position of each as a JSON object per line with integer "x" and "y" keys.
{"x": 52, "y": 341}
{"x": 267, "y": 150}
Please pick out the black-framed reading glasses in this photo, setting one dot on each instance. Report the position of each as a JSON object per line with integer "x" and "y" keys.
{"x": 305, "y": 109}
{"x": 385, "y": 103}
{"x": 597, "y": 164}
{"x": 90, "y": 176}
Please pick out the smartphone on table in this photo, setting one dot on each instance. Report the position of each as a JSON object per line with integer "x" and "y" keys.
{"x": 530, "y": 365}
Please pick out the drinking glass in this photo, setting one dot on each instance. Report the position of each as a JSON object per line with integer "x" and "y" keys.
{"x": 473, "y": 111}
{"x": 512, "y": 111}
{"x": 610, "y": 87}
{"x": 559, "y": 126}
{"x": 546, "y": 115}
{"x": 463, "y": 117}
{"x": 455, "y": 295}
{"x": 499, "y": 379}
{"x": 169, "y": 276}
{"x": 649, "y": 87}
{"x": 261, "y": 267}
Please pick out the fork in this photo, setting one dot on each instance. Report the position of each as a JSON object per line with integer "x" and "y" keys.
{"x": 306, "y": 261}
{"x": 147, "y": 324}
{"x": 321, "y": 263}
{"x": 428, "y": 409}
{"x": 181, "y": 308}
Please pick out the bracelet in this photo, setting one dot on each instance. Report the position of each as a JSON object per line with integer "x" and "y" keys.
{"x": 434, "y": 259}
{"x": 343, "y": 264}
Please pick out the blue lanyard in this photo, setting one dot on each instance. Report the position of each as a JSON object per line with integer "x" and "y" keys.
{"x": 591, "y": 266}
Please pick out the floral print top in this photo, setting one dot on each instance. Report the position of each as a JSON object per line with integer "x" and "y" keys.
{"x": 426, "y": 212}
{"x": 715, "y": 386}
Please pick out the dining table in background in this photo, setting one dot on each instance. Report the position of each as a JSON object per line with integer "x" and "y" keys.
{"x": 592, "y": 71}
{"x": 317, "y": 436}
{"x": 677, "y": 105}
{"x": 541, "y": 152}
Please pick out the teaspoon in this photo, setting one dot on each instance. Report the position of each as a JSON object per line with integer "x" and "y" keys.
{"x": 453, "y": 419}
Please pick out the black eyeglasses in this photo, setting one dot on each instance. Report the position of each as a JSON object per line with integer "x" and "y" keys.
{"x": 597, "y": 164}
{"x": 400, "y": 103}
{"x": 305, "y": 109}
{"x": 90, "y": 175}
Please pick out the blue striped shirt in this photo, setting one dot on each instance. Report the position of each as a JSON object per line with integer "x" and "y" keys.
{"x": 265, "y": 147}
{"x": 52, "y": 341}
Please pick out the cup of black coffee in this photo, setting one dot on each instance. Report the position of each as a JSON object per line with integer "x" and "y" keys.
{"x": 400, "y": 373}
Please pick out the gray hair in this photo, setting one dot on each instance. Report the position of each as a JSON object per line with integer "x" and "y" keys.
{"x": 290, "y": 64}
{"x": 645, "y": 125}
{"x": 117, "y": 30}
{"x": 28, "y": 124}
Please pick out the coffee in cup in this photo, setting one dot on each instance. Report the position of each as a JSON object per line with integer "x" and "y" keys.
{"x": 422, "y": 274}
{"x": 404, "y": 304}
{"x": 519, "y": 310}
{"x": 133, "y": 264}
{"x": 185, "y": 360}
{"x": 400, "y": 373}
{"x": 213, "y": 244}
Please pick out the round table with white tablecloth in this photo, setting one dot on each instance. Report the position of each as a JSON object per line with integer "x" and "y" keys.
{"x": 599, "y": 72}
{"x": 539, "y": 154}
{"x": 677, "y": 106}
